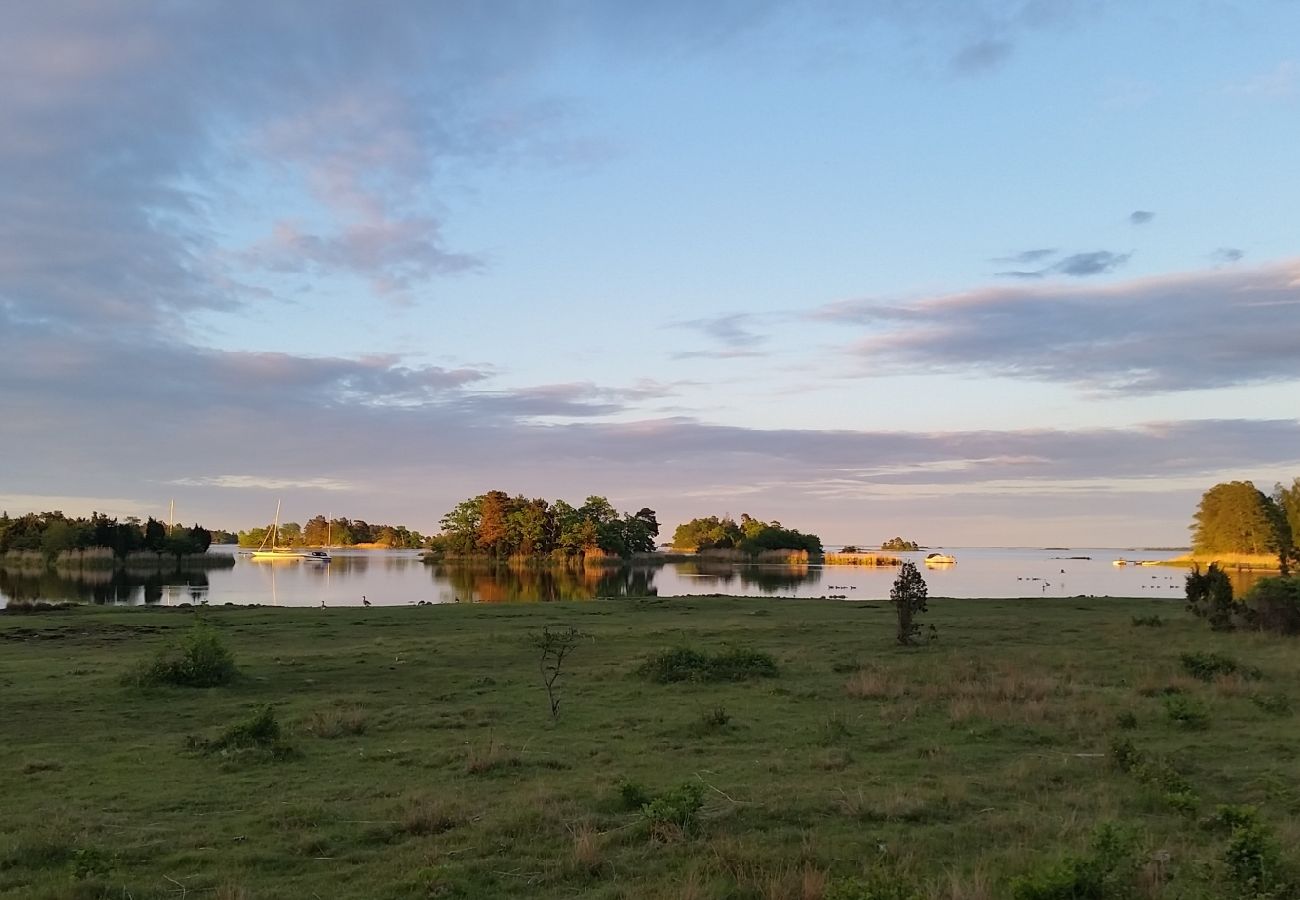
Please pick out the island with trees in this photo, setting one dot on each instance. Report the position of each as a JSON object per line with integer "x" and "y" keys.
{"x": 497, "y": 526}
{"x": 897, "y": 543}
{"x": 337, "y": 532}
{"x": 53, "y": 539}
{"x": 749, "y": 538}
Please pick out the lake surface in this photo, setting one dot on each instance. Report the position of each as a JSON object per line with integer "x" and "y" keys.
{"x": 399, "y": 577}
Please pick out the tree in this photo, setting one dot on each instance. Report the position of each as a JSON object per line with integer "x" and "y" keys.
{"x": 908, "y": 595}
{"x": 554, "y": 647}
{"x": 155, "y": 535}
{"x": 492, "y": 531}
{"x": 1234, "y": 517}
{"x": 1209, "y": 596}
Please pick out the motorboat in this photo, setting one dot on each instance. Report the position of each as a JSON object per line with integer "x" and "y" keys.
{"x": 939, "y": 559}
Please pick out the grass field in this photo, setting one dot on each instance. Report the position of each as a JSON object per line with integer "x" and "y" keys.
{"x": 419, "y": 759}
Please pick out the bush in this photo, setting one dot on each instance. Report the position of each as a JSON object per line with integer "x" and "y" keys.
{"x": 1108, "y": 870}
{"x": 1273, "y": 704}
{"x": 1274, "y": 604}
{"x": 632, "y": 795}
{"x": 1252, "y": 860}
{"x": 1209, "y": 666}
{"x": 1187, "y": 712}
{"x": 1209, "y": 595}
{"x": 1148, "y": 622}
{"x": 676, "y": 813}
{"x": 200, "y": 659}
{"x": 686, "y": 664}
{"x": 259, "y": 732}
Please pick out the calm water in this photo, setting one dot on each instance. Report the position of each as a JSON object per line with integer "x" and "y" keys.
{"x": 399, "y": 577}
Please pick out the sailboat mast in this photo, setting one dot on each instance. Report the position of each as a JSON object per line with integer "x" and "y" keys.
{"x": 275, "y": 527}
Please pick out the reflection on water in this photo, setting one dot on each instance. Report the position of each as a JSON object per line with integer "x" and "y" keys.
{"x": 396, "y": 578}
{"x": 105, "y": 586}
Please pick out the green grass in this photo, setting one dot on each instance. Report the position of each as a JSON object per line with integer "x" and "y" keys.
{"x": 425, "y": 762}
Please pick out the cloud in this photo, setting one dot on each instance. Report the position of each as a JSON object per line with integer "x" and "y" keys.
{"x": 1175, "y": 333}
{"x": 733, "y": 331}
{"x": 1280, "y": 83}
{"x": 1076, "y": 265}
{"x": 1027, "y": 257}
{"x": 261, "y": 482}
{"x": 1227, "y": 255}
{"x": 1141, "y": 216}
{"x": 1098, "y": 262}
{"x": 981, "y": 56}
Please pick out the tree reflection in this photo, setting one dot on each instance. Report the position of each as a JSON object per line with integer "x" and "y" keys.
{"x": 487, "y": 582}
{"x": 103, "y": 586}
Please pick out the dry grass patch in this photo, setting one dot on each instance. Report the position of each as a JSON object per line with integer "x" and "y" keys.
{"x": 483, "y": 759}
{"x": 337, "y": 721}
{"x": 874, "y": 683}
{"x": 232, "y": 892}
{"x": 426, "y": 815}
{"x": 975, "y": 886}
{"x": 587, "y": 854}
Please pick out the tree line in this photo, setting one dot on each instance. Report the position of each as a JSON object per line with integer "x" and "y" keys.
{"x": 749, "y": 535}
{"x": 1237, "y": 517}
{"x": 498, "y": 525}
{"x": 52, "y": 533}
{"x": 340, "y": 532}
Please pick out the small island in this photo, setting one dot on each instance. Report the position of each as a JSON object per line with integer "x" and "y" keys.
{"x": 897, "y": 543}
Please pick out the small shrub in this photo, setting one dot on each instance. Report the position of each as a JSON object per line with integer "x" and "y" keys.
{"x": 632, "y": 795}
{"x": 554, "y": 647}
{"x": 1252, "y": 860}
{"x": 1209, "y": 666}
{"x": 687, "y": 664}
{"x": 260, "y": 732}
{"x": 200, "y": 659}
{"x": 1187, "y": 712}
{"x": 1127, "y": 720}
{"x": 908, "y": 595}
{"x": 675, "y": 813}
{"x": 876, "y": 887}
{"x": 1209, "y": 595}
{"x": 1273, "y": 704}
{"x": 1274, "y": 604}
{"x": 1109, "y": 869}
{"x": 1148, "y": 622}
{"x": 1125, "y": 756}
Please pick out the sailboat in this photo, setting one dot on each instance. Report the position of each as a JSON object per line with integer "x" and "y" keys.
{"x": 270, "y": 549}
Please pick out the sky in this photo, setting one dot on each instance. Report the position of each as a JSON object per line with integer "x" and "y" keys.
{"x": 974, "y": 272}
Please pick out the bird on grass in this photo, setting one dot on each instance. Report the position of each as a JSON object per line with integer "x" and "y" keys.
{"x": 364, "y": 601}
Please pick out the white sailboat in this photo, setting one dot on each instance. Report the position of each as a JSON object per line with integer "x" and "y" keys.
{"x": 270, "y": 549}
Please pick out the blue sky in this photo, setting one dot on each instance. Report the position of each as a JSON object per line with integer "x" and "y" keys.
{"x": 995, "y": 272}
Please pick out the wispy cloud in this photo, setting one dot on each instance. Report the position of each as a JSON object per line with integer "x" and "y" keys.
{"x": 1076, "y": 265}
{"x": 262, "y": 482}
{"x": 1279, "y": 83}
{"x": 1141, "y": 216}
{"x": 1198, "y": 330}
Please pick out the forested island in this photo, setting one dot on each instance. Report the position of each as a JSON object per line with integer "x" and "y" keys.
{"x": 499, "y": 526}
{"x": 897, "y": 543}
{"x": 52, "y": 537}
{"x": 337, "y": 532}
{"x": 749, "y": 537}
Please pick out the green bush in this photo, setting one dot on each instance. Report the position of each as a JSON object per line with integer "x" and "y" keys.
{"x": 632, "y": 795}
{"x": 1252, "y": 860}
{"x": 677, "y": 810}
{"x": 1109, "y": 869}
{"x": 1187, "y": 712}
{"x": 200, "y": 659}
{"x": 1274, "y": 604}
{"x": 1148, "y": 622}
{"x": 1273, "y": 704}
{"x": 260, "y": 732}
{"x": 687, "y": 664}
{"x": 1209, "y": 595}
{"x": 1209, "y": 666}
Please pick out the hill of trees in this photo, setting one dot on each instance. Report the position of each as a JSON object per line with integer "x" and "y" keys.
{"x": 341, "y": 532}
{"x": 496, "y": 524}
{"x": 1237, "y": 517}
{"x": 897, "y": 543}
{"x": 749, "y": 535}
{"x": 52, "y": 533}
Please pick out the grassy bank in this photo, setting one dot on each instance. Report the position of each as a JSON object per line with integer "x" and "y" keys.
{"x": 1261, "y": 561}
{"x": 103, "y": 558}
{"x": 419, "y": 758}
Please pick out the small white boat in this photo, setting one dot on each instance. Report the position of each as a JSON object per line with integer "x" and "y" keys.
{"x": 939, "y": 559}
{"x": 1120, "y": 562}
{"x": 320, "y": 556}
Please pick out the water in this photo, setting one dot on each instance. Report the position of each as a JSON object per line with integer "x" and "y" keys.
{"x": 399, "y": 577}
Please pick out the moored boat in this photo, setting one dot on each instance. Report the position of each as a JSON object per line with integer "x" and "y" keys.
{"x": 939, "y": 559}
